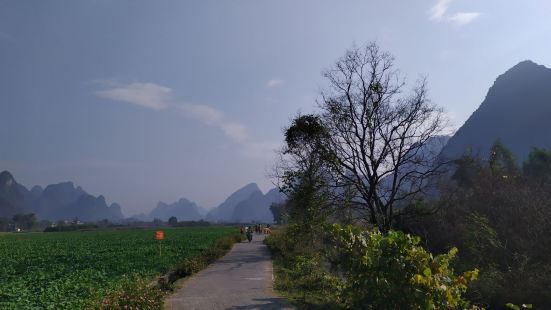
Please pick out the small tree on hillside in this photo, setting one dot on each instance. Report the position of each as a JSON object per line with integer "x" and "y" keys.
{"x": 538, "y": 165}
{"x": 502, "y": 161}
{"x": 172, "y": 221}
{"x": 279, "y": 212}
{"x": 25, "y": 221}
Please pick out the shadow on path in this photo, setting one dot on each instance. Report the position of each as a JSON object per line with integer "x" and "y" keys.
{"x": 263, "y": 304}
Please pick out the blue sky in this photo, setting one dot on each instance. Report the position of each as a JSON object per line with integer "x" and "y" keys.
{"x": 144, "y": 101}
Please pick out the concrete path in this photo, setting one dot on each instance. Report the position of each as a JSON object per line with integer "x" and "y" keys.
{"x": 240, "y": 280}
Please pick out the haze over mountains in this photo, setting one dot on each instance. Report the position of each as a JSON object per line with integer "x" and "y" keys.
{"x": 64, "y": 201}
{"x": 247, "y": 204}
{"x": 183, "y": 210}
{"x": 516, "y": 110}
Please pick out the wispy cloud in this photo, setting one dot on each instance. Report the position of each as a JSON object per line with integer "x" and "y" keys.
{"x": 261, "y": 149}
{"x": 236, "y": 131}
{"x": 439, "y": 13}
{"x": 204, "y": 113}
{"x": 274, "y": 83}
{"x": 463, "y": 18}
{"x": 147, "y": 95}
{"x": 158, "y": 97}
{"x": 213, "y": 117}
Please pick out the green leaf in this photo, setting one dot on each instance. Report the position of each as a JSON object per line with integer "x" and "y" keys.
{"x": 512, "y": 306}
{"x": 427, "y": 272}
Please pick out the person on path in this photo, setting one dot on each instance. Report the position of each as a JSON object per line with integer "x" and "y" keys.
{"x": 249, "y": 234}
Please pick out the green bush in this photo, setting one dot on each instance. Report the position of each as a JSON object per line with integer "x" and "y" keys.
{"x": 299, "y": 271}
{"x": 309, "y": 281}
{"x": 394, "y": 272}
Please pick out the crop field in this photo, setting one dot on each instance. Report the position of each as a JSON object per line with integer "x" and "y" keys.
{"x": 72, "y": 270}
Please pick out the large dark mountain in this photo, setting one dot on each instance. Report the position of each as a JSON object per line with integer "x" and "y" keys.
{"x": 54, "y": 198}
{"x": 224, "y": 211}
{"x": 183, "y": 210}
{"x": 11, "y": 199}
{"x": 88, "y": 208}
{"x": 516, "y": 110}
{"x": 56, "y": 202}
{"x": 257, "y": 207}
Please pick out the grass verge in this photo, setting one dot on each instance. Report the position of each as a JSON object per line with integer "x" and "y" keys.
{"x": 299, "y": 276}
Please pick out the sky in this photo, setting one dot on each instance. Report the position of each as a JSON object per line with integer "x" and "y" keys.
{"x": 146, "y": 101}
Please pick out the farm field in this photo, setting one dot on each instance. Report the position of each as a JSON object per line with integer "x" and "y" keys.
{"x": 72, "y": 270}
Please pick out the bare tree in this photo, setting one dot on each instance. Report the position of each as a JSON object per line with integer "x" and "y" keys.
{"x": 378, "y": 139}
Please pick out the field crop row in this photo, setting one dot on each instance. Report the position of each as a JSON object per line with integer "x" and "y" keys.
{"x": 74, "y": 270}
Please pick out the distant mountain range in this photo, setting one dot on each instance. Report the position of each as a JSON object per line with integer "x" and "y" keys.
{"x": 64, "y": 201}
{"x": 516, "y": 110}
{"x": 56, "y": 202}
{"x": 247, "y": 204}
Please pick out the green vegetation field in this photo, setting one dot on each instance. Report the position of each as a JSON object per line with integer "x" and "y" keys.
{"x": 72, "y": 270}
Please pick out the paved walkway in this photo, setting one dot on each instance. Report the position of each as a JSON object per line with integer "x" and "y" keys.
{"x": 240, "y": 280}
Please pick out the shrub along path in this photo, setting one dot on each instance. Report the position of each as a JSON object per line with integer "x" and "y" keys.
{"x": 240, "y": 280}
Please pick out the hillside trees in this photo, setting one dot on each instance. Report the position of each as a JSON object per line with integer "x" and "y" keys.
{"x": 501, "y": 161}
{"x": 369, "y": 148}
{"x": 500, "y": 220}
{"x": 538, "y": 165}
{"x": 25, "y": 221}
